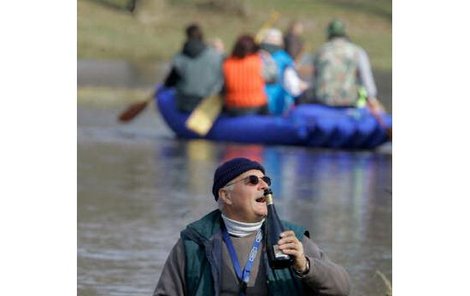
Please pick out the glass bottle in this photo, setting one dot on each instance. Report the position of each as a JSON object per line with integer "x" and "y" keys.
{"x": 273, "y": 228}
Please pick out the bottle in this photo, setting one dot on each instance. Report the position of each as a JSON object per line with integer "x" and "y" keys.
{"x": 272, "y": 231}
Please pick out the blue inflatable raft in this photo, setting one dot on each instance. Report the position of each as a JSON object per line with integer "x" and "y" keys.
{"x": 306, "y": 125}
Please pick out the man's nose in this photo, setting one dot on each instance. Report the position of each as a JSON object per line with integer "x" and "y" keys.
{"x": 263, "y": 184}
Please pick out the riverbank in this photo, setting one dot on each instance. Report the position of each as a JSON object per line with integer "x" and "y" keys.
{"x": 152, "y": 34}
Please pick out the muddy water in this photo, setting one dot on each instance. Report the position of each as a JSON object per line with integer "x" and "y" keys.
{"x": 138, "y": 187}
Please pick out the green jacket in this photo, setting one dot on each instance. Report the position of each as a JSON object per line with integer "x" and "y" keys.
{"x": 203, "y": 250}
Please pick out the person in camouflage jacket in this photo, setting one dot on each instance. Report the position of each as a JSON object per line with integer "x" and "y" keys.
{"x": 341, "y": 70}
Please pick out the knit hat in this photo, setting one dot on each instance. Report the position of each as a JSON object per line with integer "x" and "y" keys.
{"x": 230, "y": 170}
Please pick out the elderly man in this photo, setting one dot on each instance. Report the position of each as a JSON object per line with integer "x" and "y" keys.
{"x": 209, "y": 258}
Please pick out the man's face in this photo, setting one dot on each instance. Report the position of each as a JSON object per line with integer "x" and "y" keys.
{"x": 245, "y": 202}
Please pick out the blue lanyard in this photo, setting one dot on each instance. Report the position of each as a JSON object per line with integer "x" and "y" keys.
{"x": 243, "y": 276}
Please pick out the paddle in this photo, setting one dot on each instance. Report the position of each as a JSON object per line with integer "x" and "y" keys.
{"x": 206, "y": 112}
{"x": 375, "y": 109}
{"x": 204, "y": 115}
{"x": 135, "y": 109}
{"x": 268, "y": 24}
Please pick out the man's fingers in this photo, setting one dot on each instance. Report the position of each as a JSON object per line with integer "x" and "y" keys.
{"x": 287, "y": 233}
{"x": 288, "y": 246}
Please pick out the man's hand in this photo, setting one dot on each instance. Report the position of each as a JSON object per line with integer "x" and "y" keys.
{"x": 289, "y": 244}
{"x": 375, "y": 106}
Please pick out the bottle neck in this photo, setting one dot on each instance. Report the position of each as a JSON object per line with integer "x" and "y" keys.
{"x": 269, "y": 199}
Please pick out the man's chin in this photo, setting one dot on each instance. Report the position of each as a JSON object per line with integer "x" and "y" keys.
{"x": 262, "y": 214}
{"x": 261, "y": 210}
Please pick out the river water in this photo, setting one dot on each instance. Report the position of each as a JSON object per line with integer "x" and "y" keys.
{"x": 138, "y": 187}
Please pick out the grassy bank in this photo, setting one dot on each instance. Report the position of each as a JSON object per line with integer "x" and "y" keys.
{"x": 155, "y": 30}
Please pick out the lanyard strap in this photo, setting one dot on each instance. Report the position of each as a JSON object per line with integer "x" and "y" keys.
{"x": 243, "y": 276}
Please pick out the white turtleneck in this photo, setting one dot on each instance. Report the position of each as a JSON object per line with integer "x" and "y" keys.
{"x": 240, "y": 229}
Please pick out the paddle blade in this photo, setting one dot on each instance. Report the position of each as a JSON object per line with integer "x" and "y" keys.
{"x": 269, "y": 23}
{"x": 132, "y": 111}
{"x": 202, "y": 118}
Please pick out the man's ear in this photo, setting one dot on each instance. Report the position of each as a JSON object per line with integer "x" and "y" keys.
{"x": 225, "y": 195}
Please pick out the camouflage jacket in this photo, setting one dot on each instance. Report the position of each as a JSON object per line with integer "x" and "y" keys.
{"x": 341, "y": 67}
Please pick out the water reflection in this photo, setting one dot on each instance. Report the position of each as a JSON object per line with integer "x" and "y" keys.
{"x": 135, "y": 194}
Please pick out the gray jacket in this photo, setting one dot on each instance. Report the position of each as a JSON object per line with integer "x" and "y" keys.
{"x": 199, "y": 72}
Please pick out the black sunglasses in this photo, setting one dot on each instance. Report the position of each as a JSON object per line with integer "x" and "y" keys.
{"x": 253, "y": 180}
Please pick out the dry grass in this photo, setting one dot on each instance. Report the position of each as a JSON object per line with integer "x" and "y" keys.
{"x": 155, "y": 31}
{"x": 387, "y": 283}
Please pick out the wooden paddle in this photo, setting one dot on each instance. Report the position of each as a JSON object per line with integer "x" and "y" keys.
{"x": 204, "y": 115}
{"x": 135, "y": 109}
{"x": 206, "y": 112}
{"x": 268, "y": 24}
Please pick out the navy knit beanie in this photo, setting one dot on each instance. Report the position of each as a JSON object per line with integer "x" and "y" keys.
{"x": 230, "y": 170}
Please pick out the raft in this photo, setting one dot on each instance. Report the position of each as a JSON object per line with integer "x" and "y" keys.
{"x": 310, "y": 125}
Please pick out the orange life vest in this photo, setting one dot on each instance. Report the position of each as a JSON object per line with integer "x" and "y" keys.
{"x": 244, "y": 83}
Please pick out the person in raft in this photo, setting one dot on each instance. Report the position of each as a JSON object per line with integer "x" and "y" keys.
{"x": 196, "y": 71}
{"x": 202, "y": 260}
{"x": 342, "y": 73}
{"x": 288, "y": 85}
{"x": 246, "y": 72}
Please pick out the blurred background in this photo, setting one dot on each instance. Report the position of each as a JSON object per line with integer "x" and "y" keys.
{"x": 127, "y": 44}
{"x": 138, "y": 185}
